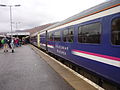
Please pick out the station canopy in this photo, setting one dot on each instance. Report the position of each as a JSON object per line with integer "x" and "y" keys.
{"x": 2, "y": 35}
{"x": 18, "y": 33}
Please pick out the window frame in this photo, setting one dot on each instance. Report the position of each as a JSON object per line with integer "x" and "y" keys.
{"x": 67, "y": 38}
{"x": 42, "y": 35}
{"x": 49, "y": 37}
{"x": 72, "y": 34}
{"x": 59, "y": 36}
{"x": 111, "y": 31}
{"x": 66, "y": 29}
{"x": 80, "y": 26}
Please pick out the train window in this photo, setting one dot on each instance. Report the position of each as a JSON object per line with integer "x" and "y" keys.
{"x": 89, "y": 33}
{"x": 42, "y": 36}
{"x": 57, "y": 36}
{"x": 65, "y": 35}
{"x": 50, "y": 36}
{"x": 71, "y": 34}
{"x": 79, "y": 35}
{"x": 116, "y": 31}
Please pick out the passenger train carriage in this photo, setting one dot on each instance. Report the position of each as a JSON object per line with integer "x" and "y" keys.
{"x": 90, "y": 39}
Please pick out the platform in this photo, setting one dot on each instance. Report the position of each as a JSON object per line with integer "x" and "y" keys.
{"x": 77, "y": 81}
{"x": 26, "y": 70}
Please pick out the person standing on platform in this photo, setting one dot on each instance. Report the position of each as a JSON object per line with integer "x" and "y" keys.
{"x": 12, "y": 45}
{"x": 16, "y": 42}
{"x": 0, "y": 43}
{"x": 4, "y": 41}
{"x": 9, "y": 41}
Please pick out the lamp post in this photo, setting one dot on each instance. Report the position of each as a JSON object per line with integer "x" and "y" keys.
{"x": 16, "y": 24}
{"x": 10, "y": 6}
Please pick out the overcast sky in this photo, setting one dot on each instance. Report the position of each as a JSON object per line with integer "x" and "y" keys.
{"x": 34, "y": 13}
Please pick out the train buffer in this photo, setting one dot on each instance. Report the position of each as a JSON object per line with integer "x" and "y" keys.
{"x": 26, "y": 70}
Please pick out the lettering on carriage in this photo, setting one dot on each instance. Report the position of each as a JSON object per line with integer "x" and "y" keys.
{"x": 61, "y": 49}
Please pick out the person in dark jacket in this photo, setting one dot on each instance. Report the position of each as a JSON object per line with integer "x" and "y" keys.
{"x": 9, "y": 41}
{"x": 0, "y": 43}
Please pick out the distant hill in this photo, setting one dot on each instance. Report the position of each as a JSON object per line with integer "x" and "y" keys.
{"x": 36, "y": 29}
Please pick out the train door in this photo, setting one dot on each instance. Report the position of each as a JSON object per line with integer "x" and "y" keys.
{"x": 70, "y": 40}
{"x": 115, "y": 30}
{"x": 46, "y": 40}
{"x": 113, "y": 39}
{"x": 38, "y": 40}
{"x": 114, "y": 25}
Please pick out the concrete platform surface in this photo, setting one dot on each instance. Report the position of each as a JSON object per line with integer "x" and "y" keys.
{"x": 25, "y": 70}
{"x": 74, "y": 79}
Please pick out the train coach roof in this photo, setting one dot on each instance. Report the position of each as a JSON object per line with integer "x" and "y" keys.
{"x": 85, "y": 13}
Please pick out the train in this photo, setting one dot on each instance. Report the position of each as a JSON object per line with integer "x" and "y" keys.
{"x": 88, "y": 42}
